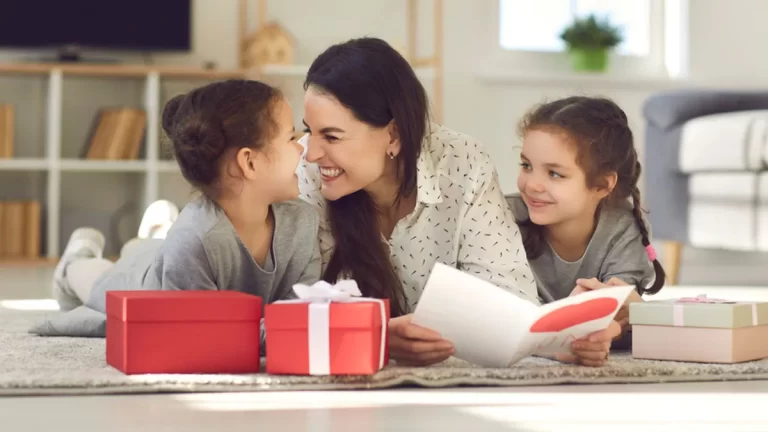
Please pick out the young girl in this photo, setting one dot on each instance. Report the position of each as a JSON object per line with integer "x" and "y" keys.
{"x": 234, "y": 142}
{"x": 579, "y": 206}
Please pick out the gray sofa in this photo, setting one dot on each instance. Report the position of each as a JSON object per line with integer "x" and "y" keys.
{"x": 704, "y": 165}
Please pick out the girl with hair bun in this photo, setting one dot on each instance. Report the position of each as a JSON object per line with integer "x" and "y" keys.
{"x": 247, "y": 232}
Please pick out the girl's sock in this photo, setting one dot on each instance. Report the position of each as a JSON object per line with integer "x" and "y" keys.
{"x": 83, "y": 243}
{"x": 157, "y": 220}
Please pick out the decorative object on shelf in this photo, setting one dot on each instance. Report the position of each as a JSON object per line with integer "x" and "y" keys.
{"x": 433, "y": 62}
{"x": 6, "y": 131}
{"x": 270, "y": 44}
{"x": 589, "y": 41}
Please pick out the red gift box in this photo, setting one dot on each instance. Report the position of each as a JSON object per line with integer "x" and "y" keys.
{"x": 183, "y": 331}
{"x": 337, "y": 338}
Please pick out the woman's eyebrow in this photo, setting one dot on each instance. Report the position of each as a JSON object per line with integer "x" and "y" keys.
{"x": 326, "y": 129}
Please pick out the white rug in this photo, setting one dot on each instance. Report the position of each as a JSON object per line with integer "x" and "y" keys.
{"x": 32, "y": 365}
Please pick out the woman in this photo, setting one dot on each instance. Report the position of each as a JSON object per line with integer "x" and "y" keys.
{"x": 398, "y": 194}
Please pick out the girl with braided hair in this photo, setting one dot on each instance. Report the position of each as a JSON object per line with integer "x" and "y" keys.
{"x": 579, "y": 210}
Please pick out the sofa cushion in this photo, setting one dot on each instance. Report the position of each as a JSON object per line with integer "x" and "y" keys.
{"x": 669, "y": 109}
{"x": 728, "y": 211}
{"x": 725, "y": 142}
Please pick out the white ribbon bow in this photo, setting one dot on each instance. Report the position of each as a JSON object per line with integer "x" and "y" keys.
{"x": 323, "y": 291}
{"x": 320, "y": 295}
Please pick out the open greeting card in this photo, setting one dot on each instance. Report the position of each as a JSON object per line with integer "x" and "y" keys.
{"x": 492, "y": 327}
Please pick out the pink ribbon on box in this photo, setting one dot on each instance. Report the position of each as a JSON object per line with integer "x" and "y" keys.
{"x": 677, "y": 308}
{"x": 702, "y": 298}
{"x": 320, "y": 295}
{"x": 754, "y": 314}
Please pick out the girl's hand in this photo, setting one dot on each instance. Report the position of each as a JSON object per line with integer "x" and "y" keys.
{"x": 592, "y": 350}
{"x": 414, "y": 345}
{"x": 622, "y": 316}
{"x": 584, "y": 285}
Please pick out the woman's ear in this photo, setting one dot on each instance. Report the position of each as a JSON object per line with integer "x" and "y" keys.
{"x": 393, "y": 148}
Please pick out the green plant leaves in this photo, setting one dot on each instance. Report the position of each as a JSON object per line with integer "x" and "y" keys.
{"x": 592, "y": 32}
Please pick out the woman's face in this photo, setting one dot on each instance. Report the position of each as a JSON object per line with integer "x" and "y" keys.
{"x": 351, "y": 155}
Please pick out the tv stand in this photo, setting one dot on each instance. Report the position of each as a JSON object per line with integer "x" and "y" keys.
{"x": 74, "y": 54}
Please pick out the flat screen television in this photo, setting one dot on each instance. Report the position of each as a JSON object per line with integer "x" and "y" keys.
{"x": 135, "y": 25}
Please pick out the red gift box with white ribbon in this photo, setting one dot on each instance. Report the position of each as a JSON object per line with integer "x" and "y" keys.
{"x": 328, "y": 330}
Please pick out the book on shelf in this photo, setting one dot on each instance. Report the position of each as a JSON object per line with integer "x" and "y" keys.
{"x": 116, "y": 134}
{"x": 6, "y": 131}
{"x": 20, "y": 225}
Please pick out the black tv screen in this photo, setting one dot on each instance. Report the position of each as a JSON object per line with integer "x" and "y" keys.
{"x": 136, "y": 25}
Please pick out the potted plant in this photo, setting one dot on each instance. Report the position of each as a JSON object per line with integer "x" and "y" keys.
{"x": 589, "y": 41}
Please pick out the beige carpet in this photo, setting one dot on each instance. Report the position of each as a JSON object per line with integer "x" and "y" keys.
{"x": 32, "y": 365}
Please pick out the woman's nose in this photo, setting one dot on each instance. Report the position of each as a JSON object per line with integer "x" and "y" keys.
{"x": 314, "y": 149}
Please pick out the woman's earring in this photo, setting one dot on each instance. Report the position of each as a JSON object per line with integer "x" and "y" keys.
{"x": 391, "y": 156}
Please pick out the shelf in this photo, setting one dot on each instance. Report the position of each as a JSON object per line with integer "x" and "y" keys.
{"x": 496, "y": 75}
{"x": 23, "y": 164}
{"x": 119, "y": 70}
{"x": 28, "y": 262}
{"x": 168, "y": 166}
{"x": 426, "y": 72}
{"x": 81, "y": 165}
{"x": 138, "y": 71}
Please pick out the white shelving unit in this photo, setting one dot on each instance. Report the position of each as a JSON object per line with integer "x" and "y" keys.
{"x": 152, "y": 167}
{"x": 53, "y": 165}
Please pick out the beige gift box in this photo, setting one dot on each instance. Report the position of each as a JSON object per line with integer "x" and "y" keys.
{"x": 699, "y": 330}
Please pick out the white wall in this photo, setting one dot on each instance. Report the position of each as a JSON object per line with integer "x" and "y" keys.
{"x": 728, "y": 41}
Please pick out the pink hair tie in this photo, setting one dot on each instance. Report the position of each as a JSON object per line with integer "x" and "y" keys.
{"x": 651, "y": 252}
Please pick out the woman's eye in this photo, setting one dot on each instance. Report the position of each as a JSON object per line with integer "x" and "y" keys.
{"x": 306, "y": 130}
{"x": 525, "y": 165}
{"x": 554, "y": 175}
{"x": 330, "y": 138}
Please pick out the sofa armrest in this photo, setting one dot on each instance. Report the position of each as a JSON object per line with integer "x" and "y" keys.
{"x": 668, "y": 109}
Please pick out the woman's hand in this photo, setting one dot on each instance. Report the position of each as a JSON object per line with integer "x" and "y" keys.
{"x": 414, "y": 345}
{"x": 592, "y": 350}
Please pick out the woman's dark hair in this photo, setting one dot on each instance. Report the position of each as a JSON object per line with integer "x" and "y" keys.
{"x": 378, "y": 86}
{"x": 208, "y": 121}
{"x": 604, "y": 144}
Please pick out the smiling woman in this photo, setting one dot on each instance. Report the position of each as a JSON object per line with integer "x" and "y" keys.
{"x": 397, "y": 193}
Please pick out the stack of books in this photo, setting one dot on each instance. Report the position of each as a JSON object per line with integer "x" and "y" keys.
{"x": 20, "y": 227}
{"x": 6, "y": 131}
{"x": 117, "y": 134}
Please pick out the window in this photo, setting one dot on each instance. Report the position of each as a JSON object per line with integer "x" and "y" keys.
{"x": 535, "y": 25}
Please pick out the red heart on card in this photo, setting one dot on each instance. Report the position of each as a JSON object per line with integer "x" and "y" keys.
{"x": 571, "y": 315}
